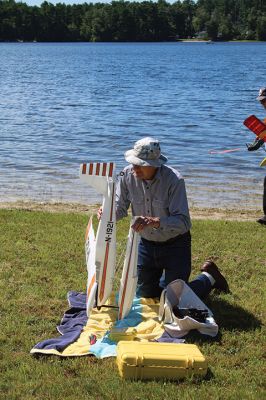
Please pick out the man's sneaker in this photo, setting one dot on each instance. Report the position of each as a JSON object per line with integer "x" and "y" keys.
{"x": 220, "y": 281}
{"x": 262, "y": 220}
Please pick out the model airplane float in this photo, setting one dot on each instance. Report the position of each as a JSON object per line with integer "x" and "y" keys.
{"x": 100, "y": 251}
{"x": 259, "y": 128}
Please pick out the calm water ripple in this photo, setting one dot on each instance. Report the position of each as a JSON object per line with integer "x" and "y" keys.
{"x": 63, "y": 104}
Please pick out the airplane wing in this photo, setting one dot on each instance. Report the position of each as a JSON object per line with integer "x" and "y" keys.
{"x": 91, "y": 267}
{"x": 128, "y": 282}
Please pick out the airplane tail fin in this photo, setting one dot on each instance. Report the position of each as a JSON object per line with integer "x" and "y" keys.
{"x": 97, "y": 174}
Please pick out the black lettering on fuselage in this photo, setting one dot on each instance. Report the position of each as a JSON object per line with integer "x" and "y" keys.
{"x": 109, "y": 231}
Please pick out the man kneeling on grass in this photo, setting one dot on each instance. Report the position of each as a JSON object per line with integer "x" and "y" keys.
{"x": 157, "y": 195}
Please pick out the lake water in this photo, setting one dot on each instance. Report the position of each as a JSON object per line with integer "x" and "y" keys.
{"x": 64, "y": 104}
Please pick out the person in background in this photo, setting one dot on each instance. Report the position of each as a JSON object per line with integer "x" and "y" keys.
{"x": 158, "y": 200}
{"x": 255, "y": 146}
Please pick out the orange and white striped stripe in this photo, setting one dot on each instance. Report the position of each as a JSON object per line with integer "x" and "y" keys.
{"x": 90, "y": 285}
{"x": 98, "y": 169}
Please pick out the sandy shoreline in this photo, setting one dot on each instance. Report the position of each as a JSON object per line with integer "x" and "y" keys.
{"x": 196, "y": 213}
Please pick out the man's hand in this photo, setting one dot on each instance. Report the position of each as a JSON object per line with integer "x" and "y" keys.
{"x": 142, "y": 222}
{"x": 255, "y": 145}
{"x": 99, "y": 213}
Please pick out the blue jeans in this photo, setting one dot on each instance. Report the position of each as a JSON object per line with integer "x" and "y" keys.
{"x": 174, "y": 260}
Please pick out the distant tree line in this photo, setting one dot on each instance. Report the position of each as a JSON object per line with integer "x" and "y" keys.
{"x": 133, "y": 21}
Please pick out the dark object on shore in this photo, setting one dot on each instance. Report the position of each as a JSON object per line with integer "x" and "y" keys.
{"x": 262, "y": 220}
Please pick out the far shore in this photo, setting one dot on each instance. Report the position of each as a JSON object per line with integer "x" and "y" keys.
{"x": 220, "y": 41}
{"x": 165, "y": 41}
{"x": 228, "y": 214}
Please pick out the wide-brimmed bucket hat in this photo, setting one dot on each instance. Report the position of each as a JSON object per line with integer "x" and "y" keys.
{"x": 262, "y": 94}
{"x": 146, "y": 153}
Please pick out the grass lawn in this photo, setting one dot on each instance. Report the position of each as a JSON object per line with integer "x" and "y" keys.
{"x": 42, "y": 258}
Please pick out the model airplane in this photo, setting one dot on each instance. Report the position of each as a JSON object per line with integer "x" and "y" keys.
{"x": 100, "y": 251}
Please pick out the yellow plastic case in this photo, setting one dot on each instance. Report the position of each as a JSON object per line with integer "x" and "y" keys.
{"x": 153, "y": 360}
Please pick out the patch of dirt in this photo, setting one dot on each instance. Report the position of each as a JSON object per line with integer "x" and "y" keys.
{"x": 196, "y": 213}
{"x": 225, "y": 214}
{"x": 48, "y": 206}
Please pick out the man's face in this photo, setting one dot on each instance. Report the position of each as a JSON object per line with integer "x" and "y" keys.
{"x": 263, "y": 103}
{"x": 145, "y": 173}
